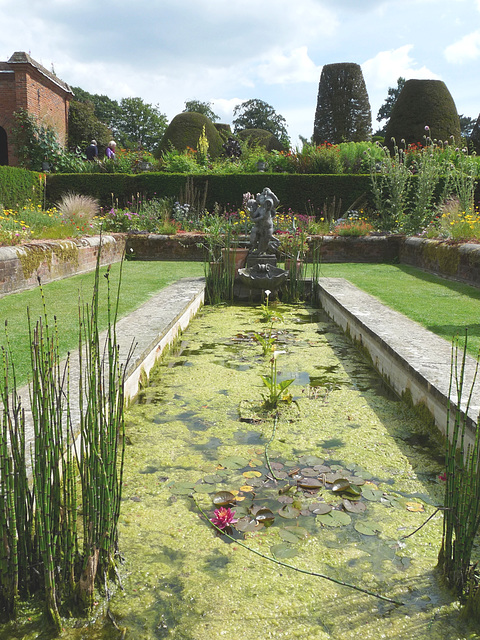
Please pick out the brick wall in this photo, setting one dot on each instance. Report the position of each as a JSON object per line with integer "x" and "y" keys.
{"x": 7, "y": 105}
{"x": 25, "y": 84}
{"x": 21, "y": 266}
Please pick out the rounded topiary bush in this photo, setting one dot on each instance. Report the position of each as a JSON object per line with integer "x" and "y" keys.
{"x": 423, "y": 103}
{"x": 262, "y": 138}
{"x": 185, "y": 130}
{"x": 224, "y": 130}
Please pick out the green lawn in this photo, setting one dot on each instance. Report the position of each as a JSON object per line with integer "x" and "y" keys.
{"x": 140, "y": 280}
{"x": 442, "y": 306}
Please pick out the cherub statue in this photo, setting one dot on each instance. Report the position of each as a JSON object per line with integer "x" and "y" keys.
{"x": 262, "y": 210}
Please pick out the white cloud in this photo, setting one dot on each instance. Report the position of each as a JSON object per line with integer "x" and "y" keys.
{"x": 466, "y": 49}
{"x": 387, "y": 66}
{"x": 291, "y": 67}
{"x": 383, "y": 71}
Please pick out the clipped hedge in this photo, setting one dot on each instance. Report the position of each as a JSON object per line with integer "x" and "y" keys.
{"x": 298, "y": 192}
{"x": 17, "y": 186}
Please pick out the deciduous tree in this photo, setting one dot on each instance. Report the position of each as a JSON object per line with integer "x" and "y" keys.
{"x": 205, "y": 108}
{"x": 386, "y": 108}
{"x": 257, "y": 114}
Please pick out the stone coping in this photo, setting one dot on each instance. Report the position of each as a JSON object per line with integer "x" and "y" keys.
{"x": 414, "y": 361}
{"x": 22, "y": 265}
{"x": 148, "y": 330}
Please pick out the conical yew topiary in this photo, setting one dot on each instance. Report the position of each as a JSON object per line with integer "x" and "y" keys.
{"x": 343, "y": 110}
{"x": 421, "y": 104}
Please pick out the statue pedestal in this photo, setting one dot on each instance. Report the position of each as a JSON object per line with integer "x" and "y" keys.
{"x": 254, "y": 260}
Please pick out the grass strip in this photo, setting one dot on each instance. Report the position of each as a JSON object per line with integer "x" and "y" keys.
{"x": 445, "y": 307}
{"x": 140, "y": 280}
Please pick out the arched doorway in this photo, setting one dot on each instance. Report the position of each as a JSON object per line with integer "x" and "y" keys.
{"x": 3, "y": 147}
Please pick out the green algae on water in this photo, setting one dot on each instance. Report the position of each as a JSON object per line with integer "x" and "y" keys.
{"x": 210, "y": 414}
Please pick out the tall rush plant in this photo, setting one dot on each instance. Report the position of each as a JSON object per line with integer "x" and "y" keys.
{"x": 461, "y": 520}
{"x": 39, "y": 537}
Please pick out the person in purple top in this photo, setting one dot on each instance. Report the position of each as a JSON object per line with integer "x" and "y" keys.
{"x": 110, "y": 150}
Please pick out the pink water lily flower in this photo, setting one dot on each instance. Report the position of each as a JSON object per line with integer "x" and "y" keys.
{"x": 223, "y": 517}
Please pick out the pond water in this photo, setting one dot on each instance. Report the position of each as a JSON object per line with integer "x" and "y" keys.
{"x": 201, "y": 428}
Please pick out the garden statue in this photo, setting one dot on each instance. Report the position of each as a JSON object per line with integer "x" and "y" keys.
{"x": 262, "y": 210}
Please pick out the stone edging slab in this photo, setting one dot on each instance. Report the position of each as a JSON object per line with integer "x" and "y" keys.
{"x": 414, "y": 361}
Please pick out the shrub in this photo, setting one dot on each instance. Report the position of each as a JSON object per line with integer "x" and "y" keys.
{"x": 262, "y": 138}
{"x": 423, "y": 103}
{"x": 343, "y": 109}
{"x": 185, "y": 130}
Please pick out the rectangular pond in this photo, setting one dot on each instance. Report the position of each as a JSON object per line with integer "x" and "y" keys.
{"x": 333, "y": 482}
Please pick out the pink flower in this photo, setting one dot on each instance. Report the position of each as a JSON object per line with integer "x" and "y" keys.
{"x": 443, "y": 477}
{"x": 223, "y": 517}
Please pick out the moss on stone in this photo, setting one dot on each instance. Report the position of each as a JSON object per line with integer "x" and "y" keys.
{"x": 32, "y": 256}
{"x": 443, "y": 257}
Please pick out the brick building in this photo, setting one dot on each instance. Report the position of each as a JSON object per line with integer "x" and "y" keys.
{"x": 25, "y": 84}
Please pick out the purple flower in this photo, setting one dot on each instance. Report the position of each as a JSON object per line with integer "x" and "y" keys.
{"x": 223, "y": 517}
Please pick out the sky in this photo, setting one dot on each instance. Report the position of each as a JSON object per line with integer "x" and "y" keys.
{"x": 226, "y": 52}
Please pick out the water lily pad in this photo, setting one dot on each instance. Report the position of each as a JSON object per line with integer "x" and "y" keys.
{"x": 223, "y": 498}
{"x": 310, "y": 460}
{"x": 233, "y": 462}
{"x": 213, "y": 478}
{"x": 246, "y": 488}
{"x": 340, "y": 485}
{"x": 356, "y": 480}
{"x": 277, "y": 466}
{"x": 204, "y": 488}
{"x": 311, "y": 484}
{"x": 252, "y": 474}
{"x": 288, "y": 511}
{"x": 320, "y": 508}
{"x": 255, "y": 462}
{"x": 285, "y": 499}
{"x": 374, "y": 495}
{"x": 300, "y": 532}
{"x": 256, "y": 482}
{"x": 321, "y": 468}
{"x": 334, "y": 519}
{"x": 332, "y": 477}
{"x": 283, "y": 550}
{"x": 288, "y": 536}
{"x": 396, "y": 503}
{"x": 309, "y": 472}
{"x": 364, "y": 528}
{"x": 414, "y": 506}
{"x": 354, "y": 507}
{"x": 247, "y": 523}
{"x": 182, "y": 488}
{"x": 265, "y": 515}
{"x": 362, "y": 473}
{"x": 241, "y": 510}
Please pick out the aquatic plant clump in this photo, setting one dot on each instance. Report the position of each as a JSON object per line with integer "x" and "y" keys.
{"x": 47, "y": 543}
